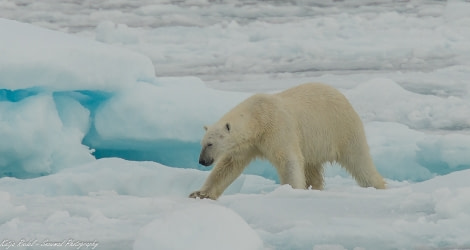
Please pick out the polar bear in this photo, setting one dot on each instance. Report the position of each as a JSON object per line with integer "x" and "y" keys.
{"x": 297, "y": 130}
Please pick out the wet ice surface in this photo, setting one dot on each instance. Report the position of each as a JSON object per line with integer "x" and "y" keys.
{"x": 162, "y": 70}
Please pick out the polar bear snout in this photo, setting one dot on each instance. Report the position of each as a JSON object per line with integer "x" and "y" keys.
{"x": 205, "y": 162}
{"x": 204, "y": 158}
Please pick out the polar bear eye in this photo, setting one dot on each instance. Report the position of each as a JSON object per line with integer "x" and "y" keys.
{"x": 209, "y": 144}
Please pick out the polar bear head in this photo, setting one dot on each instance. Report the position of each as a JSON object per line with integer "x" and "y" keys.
{"x": 214, "y": 143}
{"x": 236, "y": 134}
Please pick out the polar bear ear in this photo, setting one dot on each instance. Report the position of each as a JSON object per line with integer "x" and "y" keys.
{"x": 205, "y": 127}
{"x": 227, "y": 126}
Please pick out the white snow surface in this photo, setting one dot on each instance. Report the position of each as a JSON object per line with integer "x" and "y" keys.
{"x": 142, "y": 205}
{"x": 139, "y": 79}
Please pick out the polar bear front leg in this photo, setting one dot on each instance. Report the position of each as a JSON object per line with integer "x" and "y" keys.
{"x": 292, "y": 173}
{"x": 223, "y": 174}
{"x": 290, "y": 168}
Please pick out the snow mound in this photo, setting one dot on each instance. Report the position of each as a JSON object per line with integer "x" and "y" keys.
{"x": 172, "y": 109}
{"x": 392, "y": 103}
{"x": 63, "y": 62}
{"x": 202, "y": 226}
{"x": 8, "y": 210}
{"x": 35, "y": 141}
{"x": 123, "y": 177}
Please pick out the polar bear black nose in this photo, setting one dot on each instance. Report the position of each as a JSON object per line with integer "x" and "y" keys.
{"x": 205, "y": 162}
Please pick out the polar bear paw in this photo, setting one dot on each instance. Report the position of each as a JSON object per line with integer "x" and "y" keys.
{"x": 202, "y": 195}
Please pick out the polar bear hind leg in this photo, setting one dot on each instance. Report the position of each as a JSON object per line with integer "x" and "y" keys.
{"x": 358, "y": 163}
{"x": 314, "y": 176}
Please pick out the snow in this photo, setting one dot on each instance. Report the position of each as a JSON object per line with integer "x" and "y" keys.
{"x": 411, "y": 109}
{"x": 100, "y": 128}
{"x": 61, "y": 62}
{"x": 212, "y": 233}
{"x": 35, "y": 141}
{"x": 122, "y": 205}
{"x": 158, "y": 115}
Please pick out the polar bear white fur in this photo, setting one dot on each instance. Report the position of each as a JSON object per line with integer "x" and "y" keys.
{"x": 297, "y": 130}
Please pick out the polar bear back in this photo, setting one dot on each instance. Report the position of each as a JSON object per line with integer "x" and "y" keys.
{"x": 326, "y": 123}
